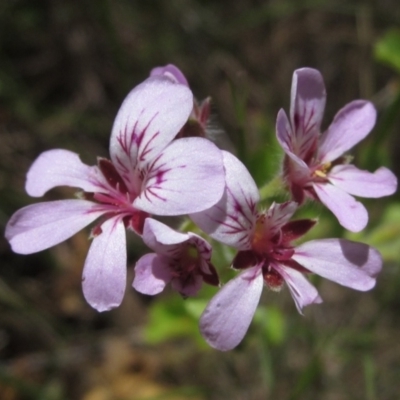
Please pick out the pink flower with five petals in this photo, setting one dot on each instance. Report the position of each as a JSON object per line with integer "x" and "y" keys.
{"x": 149, "y": 173}
{"x": 268, "y": 256}
{"x": 314, "y": 164}
{"x": 183, "y": 259}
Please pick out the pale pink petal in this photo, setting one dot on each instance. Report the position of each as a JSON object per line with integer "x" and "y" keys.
{"x": 279, "y": 214}
{"x": 186, "y": 177}
{"x": 59, "y": 168}
{"x": 172, "y": 72}
{"x": 163, "y": 239}
{"x": 228, "y": 315}
{"x": 155, "y": 232}
{"x": 167, "y": 241}
{"x": 152, "y": 273}
{"x": 285, "y": 136}
{"x": 308, "y": 96}
{"x": 104, "y": 273}
{"x": 284, "y": 132}
{"x": 350, "y": 213}
{"x": 350, "y": 125}
{"x": 149, "y": 118}
{"x": 187, "y": 289}
{"x": 302, "y": 291}
{"x": 350, "y": 264}
{"x": 204, "y": 248}
{"x": 363, "y": 183}
{"x": 40, "y": 226}
{"x": 231, "y": 220}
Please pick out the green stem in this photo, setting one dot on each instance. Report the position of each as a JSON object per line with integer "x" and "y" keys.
{"x": 188, "y": 225}
{"x": 272, "y": 188}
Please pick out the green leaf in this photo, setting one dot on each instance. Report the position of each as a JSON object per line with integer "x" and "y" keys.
{"x": 195, "y": 307}
{"x": 173, "y": 317}
{"x": 385, "y": 236}
{"x": 387, "y": 49}
{"x": 272, "y": 324}
{"x": 169, "y": 319}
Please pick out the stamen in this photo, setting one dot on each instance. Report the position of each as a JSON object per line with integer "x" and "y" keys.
{"x": 323, "y": 170}
{"x": 320, "y": 174}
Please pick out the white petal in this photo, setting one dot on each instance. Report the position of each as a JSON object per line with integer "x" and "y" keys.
{"x": 302, "y": 291}
{"x": 149, "y": 118}
{"x": 59, "y": 168}
{"x": 350, "y": 125}
{"x": 284, "y": 132}
{"x": 308, "y": 96}
{"x": 231, "y": 220}
{"x": 350, "y": 213}
{"x": 287, "y": 140}
{"x": 172, "y": 72}
{"x": 161, "y": 238}
{"x": 40, "y": 226}
{"x": 104, "y": 273}
{"x": 363, "y": 183}
{"x": 228, "y": 315}
{"x": 152, "y": 273}
{"x": 188, "y": 176}
{"x": 279, "y": 214}
{"x": 350, "y": 264}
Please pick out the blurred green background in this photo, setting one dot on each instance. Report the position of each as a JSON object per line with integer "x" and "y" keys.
{"x": 65, "y": 67}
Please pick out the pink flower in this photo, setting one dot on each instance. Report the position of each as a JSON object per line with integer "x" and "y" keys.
{"x": 268, "y": 256}
{"x": 172, "y": 72}
{"x": 314, "y": 164}
{"x": 149, "y": 173}
{"x": 184, "y": 259}
{"x": 197, "y": 124}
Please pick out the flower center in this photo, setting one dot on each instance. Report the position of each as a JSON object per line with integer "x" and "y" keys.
{"x": 115, "y": 198}
{"x": 187, "y": 260}
{"x": 186, "y": 265}
{"x": 268, "y": 247}
{"x": 322, "y": 171}
{"x": 261, "y": 242}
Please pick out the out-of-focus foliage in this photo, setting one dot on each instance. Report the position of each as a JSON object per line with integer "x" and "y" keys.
{"x": 174, "y": 318}
{"x": 272, "y": 324}
{"x": 387, "y": 49}
{"x": 386, "y": 235}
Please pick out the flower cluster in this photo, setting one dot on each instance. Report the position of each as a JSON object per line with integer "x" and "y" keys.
{"x": 162, "y": 163}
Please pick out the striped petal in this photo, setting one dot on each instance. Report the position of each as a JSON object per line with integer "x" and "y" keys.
{"x": 149, "y": 118}
{"x": 308, "y": 97}
{"x": 186, "y": 177}
{"x": 231, "y": 220}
